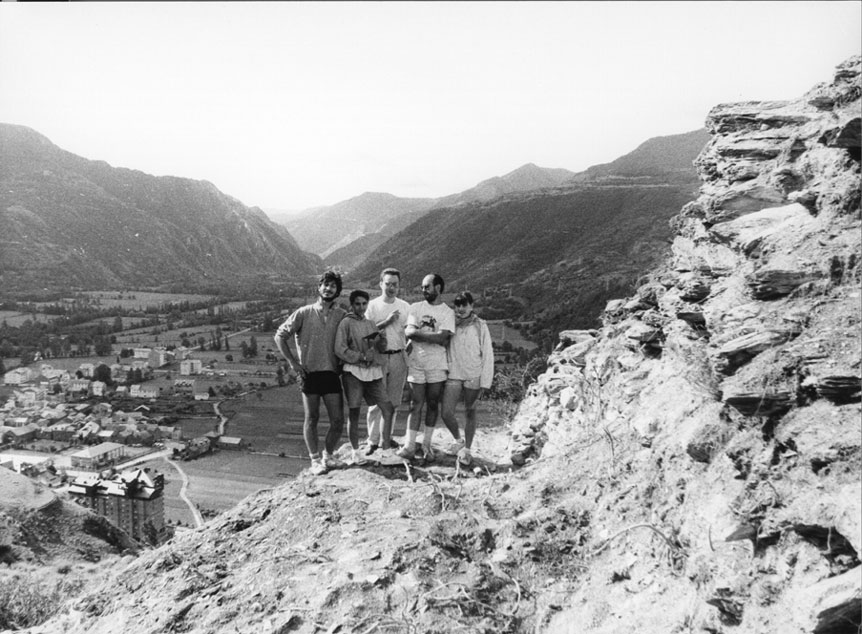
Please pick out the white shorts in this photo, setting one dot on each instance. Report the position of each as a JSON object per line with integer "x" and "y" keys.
{"x": 418, "y": 376}
{"x": 469, "y": 384}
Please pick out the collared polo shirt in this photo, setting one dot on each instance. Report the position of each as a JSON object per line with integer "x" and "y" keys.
{"x": 314, "y": 328}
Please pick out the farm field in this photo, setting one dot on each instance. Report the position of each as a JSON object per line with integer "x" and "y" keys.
{"x": 15, "y": 318}
{"x": 500, "y": 332}
{"x": 175, "y": 509}
{"x": 220, "y": 480}
{"x": 141, "y": 300}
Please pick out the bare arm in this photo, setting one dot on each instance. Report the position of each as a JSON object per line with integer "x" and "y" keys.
{"x": 440, "y": 338}
{"x": 393, "y": 317}
{"x": 281, "y": 341}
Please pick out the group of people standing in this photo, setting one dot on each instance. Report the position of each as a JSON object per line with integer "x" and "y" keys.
{"x": 370, "y": 351}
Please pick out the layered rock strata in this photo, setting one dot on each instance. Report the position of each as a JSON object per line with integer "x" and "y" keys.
{"x": 714, "y": 420}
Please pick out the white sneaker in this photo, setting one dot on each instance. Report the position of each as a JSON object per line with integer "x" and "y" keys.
{"x": 332, "y": 462}
{"x": 455, "y": 447}
{"x": 317, "y": 467}
{"x": 357, "y": 457}
{"x": 464, "y": 457}
{"x": 406, "y": 453}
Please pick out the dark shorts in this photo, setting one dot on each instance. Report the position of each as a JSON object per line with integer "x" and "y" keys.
{"x": 373, "y": 391}
{"x": 321, "y": 383}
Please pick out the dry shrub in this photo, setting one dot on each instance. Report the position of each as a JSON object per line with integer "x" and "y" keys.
{"x": 27, "y": 600}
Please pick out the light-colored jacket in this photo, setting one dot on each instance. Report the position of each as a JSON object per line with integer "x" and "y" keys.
{"x": 471, "y": 352}
{"x": 351, "y": 344}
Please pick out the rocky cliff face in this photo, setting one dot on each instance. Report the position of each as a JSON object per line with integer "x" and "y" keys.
{"x": 712, "y": 425}
{"x": 691, "y": 466}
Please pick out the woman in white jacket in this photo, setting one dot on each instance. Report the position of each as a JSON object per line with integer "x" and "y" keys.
{"x": 471, "y": 369}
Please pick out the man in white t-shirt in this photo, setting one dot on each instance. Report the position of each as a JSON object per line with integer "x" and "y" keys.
{"x": 430, "y": 324}
{"x": 390, "y": 314}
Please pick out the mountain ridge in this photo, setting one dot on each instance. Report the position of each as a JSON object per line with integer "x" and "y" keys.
{"x": 75, "y": 222}
{"x": 564, "y": 249}
{"x": 324, "y": 230}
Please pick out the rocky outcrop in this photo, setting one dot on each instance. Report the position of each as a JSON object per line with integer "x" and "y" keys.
{"x": 712, "y": 427}
{"x": 691, "y": 466}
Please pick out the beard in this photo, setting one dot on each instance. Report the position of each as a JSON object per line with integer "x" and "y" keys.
{"x": 429, "y": 296}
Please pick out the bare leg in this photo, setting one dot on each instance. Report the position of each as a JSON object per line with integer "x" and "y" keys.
{"x": 417, "y": 392}
{"x": 433, "y": 393}
{"x": 311, "y": 405}
{"x": 388, "y": 412}
{"x": 335, "y": 410}
{"x": 450, "y": 401}
{"x": 470, "y": 399}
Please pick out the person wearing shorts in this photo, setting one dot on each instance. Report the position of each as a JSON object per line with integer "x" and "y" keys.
{"x": 430, "y": 324}
{"x": 359, "y": 343}
{"x": 390, "y": 314}
{"x": 313, "y": 328}
{"x": 471, "y": 370}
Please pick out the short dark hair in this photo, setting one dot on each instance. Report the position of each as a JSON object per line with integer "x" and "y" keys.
{"x": 331, "y": 276}
{"x": 438, "y": 281}
{"x": 358, "y": 293}
{"x": 462, "y": 298}
{"x": 390, "y": 271}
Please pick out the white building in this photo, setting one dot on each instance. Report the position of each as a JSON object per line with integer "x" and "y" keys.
{"x": 191, "y": 366}
{"x": 159, "y": 357}
{"x": 140, "y": 391}
{"x": 18, "y": 376}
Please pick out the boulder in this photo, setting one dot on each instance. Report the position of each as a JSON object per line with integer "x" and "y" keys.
{"x": 569, "y": 337}
{"x": 739, "y": 351}
{"x": 744, "y": 199}
{"x": 769, "y": 283}
{"x": 840, "y": 388}
{"x": 643, "y": 333}
{"x": 569, "y": 398}
{"x": 694, "y": 290}
{"x": 694, "y": 318}
{"x": 749, "y": 231}
{"x": 762, "y": 403}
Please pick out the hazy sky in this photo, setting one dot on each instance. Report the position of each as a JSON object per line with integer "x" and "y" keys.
{"x": 296, "y": 104}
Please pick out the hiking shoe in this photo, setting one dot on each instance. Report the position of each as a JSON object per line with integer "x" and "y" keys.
{"x": 358, "y": 458}
{"x": 317, "y": 467}
{"x": 464, "y": 457}
{"x": 371, "y": 449}
{"x": 455, "y": 447}
{"x": 406, "y": 453}
{"x": 428, "y": 454}
{"x": 332, "y": 462}
{"x": 392, "y": 446}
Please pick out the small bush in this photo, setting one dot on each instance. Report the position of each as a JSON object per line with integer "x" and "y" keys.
{"x": 26, "y": 601}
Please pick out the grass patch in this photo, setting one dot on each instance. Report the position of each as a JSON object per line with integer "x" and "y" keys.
{"x": 27, "y": 600}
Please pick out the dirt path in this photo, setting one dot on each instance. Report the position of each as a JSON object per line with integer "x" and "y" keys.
{"x": 199, "y": 520}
